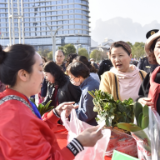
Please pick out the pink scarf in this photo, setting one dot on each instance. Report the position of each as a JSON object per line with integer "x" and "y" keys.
{"x": 154, "y": 89}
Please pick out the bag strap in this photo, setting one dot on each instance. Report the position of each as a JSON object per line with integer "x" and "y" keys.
{"x": 116, "y": 82}
{"x": 13, "y": 97}
{"x": 141, "y": 74}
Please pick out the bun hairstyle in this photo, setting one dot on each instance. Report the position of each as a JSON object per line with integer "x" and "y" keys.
{"x": 2, "y": 54}
{"x": 15, "y": 58}
{"x": 122, "y": 44}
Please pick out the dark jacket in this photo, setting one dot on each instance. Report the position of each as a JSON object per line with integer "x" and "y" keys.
{"x": 66, "y": 93}
{"x": 144, "y": 65}
{"x": 144, "y": 88}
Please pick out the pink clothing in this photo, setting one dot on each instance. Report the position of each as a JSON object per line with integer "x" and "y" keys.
{"x": 129, "y": 83}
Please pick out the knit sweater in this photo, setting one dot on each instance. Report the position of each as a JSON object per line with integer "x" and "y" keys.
{"x": 109, "y": 83}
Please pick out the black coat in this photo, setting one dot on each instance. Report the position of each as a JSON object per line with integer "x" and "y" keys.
{"x": 144, "y": 88}
{"x": 66, "y": 93}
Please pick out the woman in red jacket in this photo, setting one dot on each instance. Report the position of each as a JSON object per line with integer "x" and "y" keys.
{"x": 23, "y": 133}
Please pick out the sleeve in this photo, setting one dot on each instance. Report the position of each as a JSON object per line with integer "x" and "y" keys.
{"x": 44, "y": 88}
{"x": 144, "y": 88}
{"x": 105, "y": 85}
{"x": 75, "y": 92}
{"x": 85, "y": 111}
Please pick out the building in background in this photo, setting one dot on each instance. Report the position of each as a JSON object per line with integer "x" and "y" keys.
{"x": 72, "y": 15}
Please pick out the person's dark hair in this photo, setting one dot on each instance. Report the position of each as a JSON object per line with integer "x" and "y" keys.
{"x": 78, "y": 69}
{"x": 59, "y": 50}
{"x": 56, "y": 72}
{"x": 70, "y": 59}
{"x": 104, "y": 66}
{"x": 154, "y": 44}
{"x": 122, "y": 44}
{"x": 45, "y": 60}
{"x": 15, "y": 58}
{"x": 84, "y": 60}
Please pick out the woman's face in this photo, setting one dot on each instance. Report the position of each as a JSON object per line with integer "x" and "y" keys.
{"x": 36, "y": 77}
{"x": 120, "y": 59}
{"x": 49, "y": 77}
{"x": 75, "y": 80}
{"x": 157, "y": 51}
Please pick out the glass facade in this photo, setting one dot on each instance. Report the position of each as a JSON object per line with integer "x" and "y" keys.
{"x": 72, "y": 15}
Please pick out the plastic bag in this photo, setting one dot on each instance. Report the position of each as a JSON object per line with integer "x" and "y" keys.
{"x": 148, "y": 140}
{"x": 121, "y": 142}
{"x": 75, "y": 127}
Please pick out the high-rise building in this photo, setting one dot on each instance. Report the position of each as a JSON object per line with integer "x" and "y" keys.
{"x": 72, "y": 15}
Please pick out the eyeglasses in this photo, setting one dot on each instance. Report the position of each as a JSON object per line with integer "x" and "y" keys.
{"x": 72, "y": 79}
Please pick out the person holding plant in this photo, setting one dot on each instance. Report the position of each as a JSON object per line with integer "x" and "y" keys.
{"x": 150, "y": 88}
{"x": 59, "y": 87}
{"x": 24, "y": 134}
{"x": 123, "y": 80}
{"x": 80, "y": 76}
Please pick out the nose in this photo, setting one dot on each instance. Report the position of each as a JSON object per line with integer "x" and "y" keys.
{"x": 117, "y": 59}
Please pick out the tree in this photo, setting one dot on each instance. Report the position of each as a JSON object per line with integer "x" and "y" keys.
{"x": 96, "y": 55}
{"x": 130, "y": 44}
{"x": 69, "y": 49}
{"x": 138, "y": 50}
{"x": 61, "y": 48}
{"x": 83, "y": 52}
{"x": 43, "y": 52}
{"x": 50, "y": 56}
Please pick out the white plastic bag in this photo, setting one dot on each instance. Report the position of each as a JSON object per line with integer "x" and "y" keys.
{"x": 75, "y": 127}
{"x": 148, "y": 140}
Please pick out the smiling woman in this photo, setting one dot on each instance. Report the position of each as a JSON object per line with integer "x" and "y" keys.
{"x": 123, "y": 80}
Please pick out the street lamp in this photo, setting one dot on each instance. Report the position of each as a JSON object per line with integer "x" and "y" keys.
{"x": 53, "y": 39}
{"x": 77, "y": 47}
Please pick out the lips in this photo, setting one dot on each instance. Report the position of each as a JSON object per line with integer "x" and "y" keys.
{"x": 118, "y": 65}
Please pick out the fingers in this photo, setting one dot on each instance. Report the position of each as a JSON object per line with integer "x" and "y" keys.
{"x": 68, "y": 103}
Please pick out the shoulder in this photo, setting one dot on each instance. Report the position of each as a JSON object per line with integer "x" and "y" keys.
{"x": 143, "y": 74}
{"x": 108, "y": 74}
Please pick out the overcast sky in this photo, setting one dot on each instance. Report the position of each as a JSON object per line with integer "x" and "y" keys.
{"x": 141, "y": 11}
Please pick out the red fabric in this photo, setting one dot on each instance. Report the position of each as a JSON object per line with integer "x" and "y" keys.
{"x": 154, "y": 89}
{"x": 61, "y": 136}
{"x": 23, "y": 136}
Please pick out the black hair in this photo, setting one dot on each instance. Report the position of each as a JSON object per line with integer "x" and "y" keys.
{"x": 78, "y": 69}
{"x": 84, "y": 60}
{"x": 45, "y": 60}
{"x": 15, "y": 58}
{"x": 154, "y": 44}
{"x": 56, "y": 72}
{"x": 104, "y": 66}
{"x": 60, "y": 51}
{"x": 122, "y": 44}
{"x": 70, "y": 59}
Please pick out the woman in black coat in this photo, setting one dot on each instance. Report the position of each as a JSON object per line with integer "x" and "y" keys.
{"x": 59, "y": 87}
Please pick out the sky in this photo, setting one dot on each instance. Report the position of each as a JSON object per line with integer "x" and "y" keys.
{"x": 141, "y": 11}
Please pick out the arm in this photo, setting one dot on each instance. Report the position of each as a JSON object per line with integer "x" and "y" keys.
{"x": 85, "y": 111}
{"x": 105, "y": 83}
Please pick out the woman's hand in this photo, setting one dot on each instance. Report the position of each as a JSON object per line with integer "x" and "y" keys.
{"x": 89, "y": 137}
{"x": 146, "y": 101}
{"x": 68, "y": 106}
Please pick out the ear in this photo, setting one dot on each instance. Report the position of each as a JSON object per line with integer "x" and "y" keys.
{"x": 23, "y": 75}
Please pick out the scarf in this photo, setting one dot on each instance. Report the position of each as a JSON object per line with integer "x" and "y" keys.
{"x": 154, "y": 89}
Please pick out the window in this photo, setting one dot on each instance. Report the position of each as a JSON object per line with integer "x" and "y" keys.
{"x": 54, "y": 23}
{"x": 48, "y": 3}
{"x": 43, "y": 33}
{"x": 37, "y": 19}
{"x": 53, "y": 13}
{"x": 32, "y": 19}
{"x": 65, "y": 12}
{"x": 54, "y": 8}
{"x": 2, "y": 15}
{"x": 48, "y": 18}
{"x": 32, "y": 10}
{"x": 31, "y": 14}
{"x": 42, "y": 18}
{"x": 49, "y": 23}
{"x": 54, "y": 28}
{"x": 26, "y": 10}
{"x": 59, "y": 17}
{"x": 42, "y": 9}
{"x": 65, "y": 22}
{"x": 26, "y": 24}
{"x": 77, "y": 6}
{"x": 43, "y": 14}
{"x": 78, "y": 21}
{"x": 77, "y": 11}
{"x": 59, "y": 2}
{"x": 64, "y": 1}
{"x": 43, "y": 24}
{"x": 78, "y": 1}
{"x": 70, "y": 0}
{"x": 37, "y": 29}
{"x": 71, "y": 11}
{"x": 37, "y": 4}
{"x": 65, "y": 27}
{"x": 71, "y": 21}
{"x": 59, "y": 12}
{"x": 65, "y": 6}
{"x": 54, "y": 18}
{"x": 27, "y": 29}
{"x": 78, "y": 26}
{"x": 53, "y": 2}
{"x": 59, "y": 22}
{"x": 77, "y": 16}
{"x": 43, "y": 28}
{"x": 32, "y": 34}
{"x": 27, "y": 34}
{"x": 65, "y": 17}
{"x": 59, "y": 7}
{"x": 71, "y": 26}
{"x": 26, "y": 20}
{"x": 31, "y": 4}
{"x": 71, "y": 16}
{"x": 32, "y": 29}
{"x": 71, "y": 32}
{"x": 65, "y": 32}
{"x": 71, "y": 6}
{"x": 25, "y": 5}
{"x": 48, "y": 13}
{"x": 38, "y": 34}
{"x": 3, "y": 25}
{"x": 47, "y": 8}
{"x": 60, "y": 32}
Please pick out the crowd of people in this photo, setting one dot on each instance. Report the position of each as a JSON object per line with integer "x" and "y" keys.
{"x": 25, "y": 134}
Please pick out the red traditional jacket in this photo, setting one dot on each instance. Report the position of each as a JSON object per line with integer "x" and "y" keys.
{"x": 23, "y": 136}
